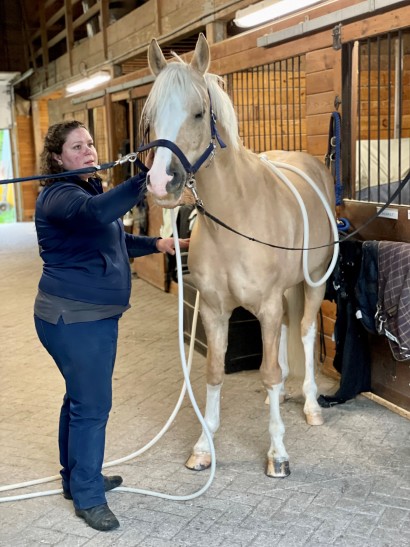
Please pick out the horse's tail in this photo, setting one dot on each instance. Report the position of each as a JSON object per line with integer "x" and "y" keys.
{"x": 294, "y": 302}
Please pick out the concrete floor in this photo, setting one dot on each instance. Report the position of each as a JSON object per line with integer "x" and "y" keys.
{"x": 349, "y": 482}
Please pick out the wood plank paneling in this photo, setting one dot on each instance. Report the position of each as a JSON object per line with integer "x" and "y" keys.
{"x": 27, "y": 165}
{"x": 320, "y": 102}
{"x": 152, "y": 268}
{"x": 322, "y": 86}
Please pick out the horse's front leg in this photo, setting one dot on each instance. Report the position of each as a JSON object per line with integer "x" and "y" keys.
{"x": 277, "y": 459}
{"x": 216, "y": 329}
{"x": 200, "y": 458}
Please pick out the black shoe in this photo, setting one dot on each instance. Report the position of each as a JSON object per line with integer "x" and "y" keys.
{"x": 99, "y": 517}
{"x": 109, "y": 484}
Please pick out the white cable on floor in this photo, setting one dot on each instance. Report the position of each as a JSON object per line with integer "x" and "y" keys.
{"x": 186, "y": 367}
{"x": 188, "y": 386}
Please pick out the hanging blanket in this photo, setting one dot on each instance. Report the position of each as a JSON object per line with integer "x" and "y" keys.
{"x": 367, "y": 286}
{"x": 352, "y": 356}
{"x": 393, "y": 308}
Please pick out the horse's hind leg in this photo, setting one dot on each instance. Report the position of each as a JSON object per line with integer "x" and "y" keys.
{"x": 270, "y": 319}
{"x": 283, "y": 349}
{"x": 313, "y": 299}
{"x": 283, "y": 352}
{"x": 216, "y": 328}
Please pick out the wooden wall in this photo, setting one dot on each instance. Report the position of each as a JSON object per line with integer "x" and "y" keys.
{"x": 152, "y": 268}
{"x": 323, "y": 85}
{"x": 27, "y": 164}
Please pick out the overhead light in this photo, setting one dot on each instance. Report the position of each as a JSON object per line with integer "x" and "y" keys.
{"x": 269, "y": 9}
{"x": 88, "y": 83}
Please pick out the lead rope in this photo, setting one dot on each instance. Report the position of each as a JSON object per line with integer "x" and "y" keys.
{"x": 132, "y": 158}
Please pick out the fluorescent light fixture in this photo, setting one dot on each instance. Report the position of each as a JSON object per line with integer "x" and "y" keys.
{"x": 267, "y": 10}
{"x": 88, "y": 83}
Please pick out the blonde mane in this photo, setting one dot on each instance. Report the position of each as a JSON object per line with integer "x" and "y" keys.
{"x": 179, "y": 78}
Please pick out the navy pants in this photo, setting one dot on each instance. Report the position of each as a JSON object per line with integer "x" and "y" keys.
{"x": 85, "y": 355}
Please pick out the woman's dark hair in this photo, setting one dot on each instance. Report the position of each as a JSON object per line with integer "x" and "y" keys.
{"x": 53, "y": 144}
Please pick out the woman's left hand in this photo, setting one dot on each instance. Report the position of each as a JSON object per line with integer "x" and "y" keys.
{"x": 167, "y": 245}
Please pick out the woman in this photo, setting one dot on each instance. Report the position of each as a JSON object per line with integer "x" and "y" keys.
{"x": 83, "y": 291}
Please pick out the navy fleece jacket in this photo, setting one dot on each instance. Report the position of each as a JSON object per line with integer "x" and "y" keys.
{"x": 83, "y": 244}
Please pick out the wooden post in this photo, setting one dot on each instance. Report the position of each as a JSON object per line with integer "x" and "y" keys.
{"x": 109, "y": 121}
{"x": 216, "y": 32}
{"x": 158, "y": 11}
{"x": 69, "y": 32}
{"x": 38, "y": 140}
{"x": 353, "y": 114}
{"x": 105, "y": 19}
{"x": 44, "y": 41}
{"x": 131, "y": 129}
{"x": 28, "y": 37}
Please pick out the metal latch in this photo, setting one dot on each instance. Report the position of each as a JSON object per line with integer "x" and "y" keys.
{"x": 337, "y": 36}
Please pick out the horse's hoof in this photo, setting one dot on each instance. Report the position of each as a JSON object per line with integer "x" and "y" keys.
{"x": 277, "y": 469}
{"x": 315, "y": 419}
{"x": 198, "y": 462}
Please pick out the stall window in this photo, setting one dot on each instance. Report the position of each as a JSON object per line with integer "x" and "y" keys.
{"x": 270, "y": 101}
{"x": 380, "y": 117}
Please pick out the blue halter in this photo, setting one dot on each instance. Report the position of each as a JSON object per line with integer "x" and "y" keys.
{"x": 209, "y": 152}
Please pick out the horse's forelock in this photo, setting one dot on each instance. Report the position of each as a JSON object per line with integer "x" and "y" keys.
{"x": 182, "y": 80}
{"x": 175, "y": 78}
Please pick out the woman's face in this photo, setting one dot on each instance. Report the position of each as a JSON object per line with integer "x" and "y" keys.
{"x": 78, "y": 152}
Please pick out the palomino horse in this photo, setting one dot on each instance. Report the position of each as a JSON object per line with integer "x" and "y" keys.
{"x": 250, "y": 196}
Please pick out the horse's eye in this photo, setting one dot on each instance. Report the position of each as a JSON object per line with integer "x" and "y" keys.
{"x": 199, "y": 115}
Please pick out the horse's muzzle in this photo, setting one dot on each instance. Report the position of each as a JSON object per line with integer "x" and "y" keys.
{"x": 169, "y": 195}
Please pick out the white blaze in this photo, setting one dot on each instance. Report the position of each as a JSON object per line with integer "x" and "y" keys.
{"x": 167, "y": 125}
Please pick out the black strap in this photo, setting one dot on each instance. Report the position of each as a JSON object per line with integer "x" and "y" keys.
{"x": 201, "y": 209}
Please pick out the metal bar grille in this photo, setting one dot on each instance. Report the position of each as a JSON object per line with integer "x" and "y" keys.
{"x": 383, "y": 117}
{"x": 270, "y": 103}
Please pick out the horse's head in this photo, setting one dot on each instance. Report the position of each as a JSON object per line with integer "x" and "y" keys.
{"x": 178, "y": 111}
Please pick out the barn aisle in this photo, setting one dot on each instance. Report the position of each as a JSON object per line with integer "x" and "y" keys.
{"x": 349, "y": 482}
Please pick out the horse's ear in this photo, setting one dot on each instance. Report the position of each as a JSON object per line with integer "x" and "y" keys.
{"x": 156, "y": 59}
{"x": 201, "y": 59}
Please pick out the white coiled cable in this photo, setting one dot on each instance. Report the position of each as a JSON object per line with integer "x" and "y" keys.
{"x": 275, "y": 166}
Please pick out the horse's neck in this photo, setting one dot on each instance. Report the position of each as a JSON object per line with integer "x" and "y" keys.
{"x": 227, "y": 176}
